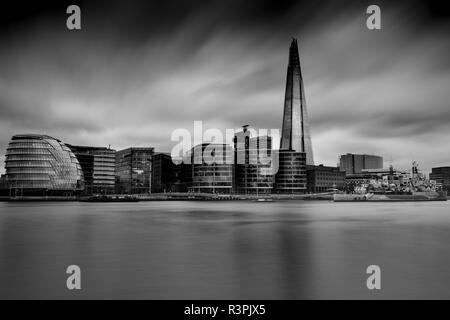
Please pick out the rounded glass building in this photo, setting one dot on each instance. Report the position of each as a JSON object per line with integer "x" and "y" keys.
{"x": 212, "y": 168}
{"x": 291, "y": 175}
{"x": 37, "y": 163}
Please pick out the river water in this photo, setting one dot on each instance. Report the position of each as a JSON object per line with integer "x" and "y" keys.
{"x": 225, "y": 250}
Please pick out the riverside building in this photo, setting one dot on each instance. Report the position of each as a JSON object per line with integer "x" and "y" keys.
{"x": 40, "y": 165}
{"x": 355, "y": 163}
{"x": 212, "y": 168}
{"x": 442, "y": 177}
{"x": 98, "y": 165}
{"x": 322, "y": 178}
{"x": 253, "y": 167}
{"x": 134, "y": 170}
{"x": 295, "y": 146}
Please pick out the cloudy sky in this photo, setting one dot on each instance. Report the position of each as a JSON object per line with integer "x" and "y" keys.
{"x": 139, "y": 70}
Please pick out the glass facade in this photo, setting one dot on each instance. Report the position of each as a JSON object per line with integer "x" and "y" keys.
{"x": 164, "y": 173}
{"x": 253, "y": 173}
{"x": 295, "y": 132}
{"x": 42, "y": 162}
{"x": 98, "y": 165}
{"x": 134, "y": 170}
{"x": 212, "y": 168}
{"x": 291, "y": 175}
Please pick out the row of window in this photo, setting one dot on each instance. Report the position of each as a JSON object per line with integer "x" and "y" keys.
{"x": 36, "y": 164}
{"x": 27, "y": 151}
{"x": 29, "y": 176}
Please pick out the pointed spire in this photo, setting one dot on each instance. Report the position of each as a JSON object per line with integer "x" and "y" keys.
{"x": 295, "y": 132}
{"x": 294, "y": 59}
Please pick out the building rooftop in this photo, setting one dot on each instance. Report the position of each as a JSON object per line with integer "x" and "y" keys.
{"x": 88, "y": 148}
{"x": 33, "y": 136}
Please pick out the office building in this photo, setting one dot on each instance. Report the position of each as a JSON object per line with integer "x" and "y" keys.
{"x": 163, "y": 173}
{"x": 98, "y": 165}
{"x": 134, "y": 170}
{"x": 295, "y": 145}
{"x": 295, "y": 134}
{"x": 354, "y": 163}
{"x": 212, "y": 168}
{"x": 253, "y": 167}
{"x": 4, "y": 190}
{"x": 442, "y": 177}
{"x": 322, "y": 178}
{"x": 3, "y": 182}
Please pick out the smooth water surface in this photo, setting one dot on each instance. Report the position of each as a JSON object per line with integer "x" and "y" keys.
{"x": 225, "y": 250}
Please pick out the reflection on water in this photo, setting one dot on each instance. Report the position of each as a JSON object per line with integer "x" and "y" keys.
{"x": 225, "y": 250}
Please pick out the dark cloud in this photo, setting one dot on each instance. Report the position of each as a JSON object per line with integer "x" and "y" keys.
{"x": 139, "y": 70}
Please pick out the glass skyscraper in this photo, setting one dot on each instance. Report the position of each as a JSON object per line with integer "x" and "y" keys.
{"x": 295, "y": 146}
{"x": 295, "y": 134}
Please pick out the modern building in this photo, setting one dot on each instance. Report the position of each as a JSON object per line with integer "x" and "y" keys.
{"x": 295, "y": 145}
{"x": 3, "y": 182}
{"x": 253, "y": 167}
{"x": 4, "y": 190}
{"x": 295, "y": 134}
{"x": 442, "y": 176}
{"x": 39, "y": 165}
{"x": 134, "y": 170}
{"x": 212, "y": 168}
{"x": 182, "y": 172}
{"x": 98, "y": 165}
{"x": 322, "y": 178}
{"x": 354, "y": 163}
{"x": 291, "y": 175}
{"x": 163, "y": 173}
{"x": 182, "y": 177}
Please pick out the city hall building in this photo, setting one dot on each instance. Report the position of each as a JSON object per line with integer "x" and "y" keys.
{"x": 40, "y": 165}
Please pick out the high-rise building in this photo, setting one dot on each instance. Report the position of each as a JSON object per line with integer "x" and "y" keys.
{"x": 442, "y": 176}
{"x": 355, "y": 163}
{"x": 98, "y": 165}
{"x": 253, "y": 167}
{"x": 295, "y": 146}
{"x": 134, "y": 170}
{"x": 295, "y": 134}
{"x": 39, "y": 165}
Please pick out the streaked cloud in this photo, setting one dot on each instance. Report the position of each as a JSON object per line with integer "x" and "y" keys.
{"x": 136, "y": 72}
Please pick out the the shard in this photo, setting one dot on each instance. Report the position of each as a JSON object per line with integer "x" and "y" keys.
{"x": 295, "y": 133}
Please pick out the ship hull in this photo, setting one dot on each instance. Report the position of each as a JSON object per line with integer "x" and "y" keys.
{"x": 415, "y": 196}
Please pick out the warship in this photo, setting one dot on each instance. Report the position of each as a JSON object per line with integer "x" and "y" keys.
{"x": 414, "y": 187}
